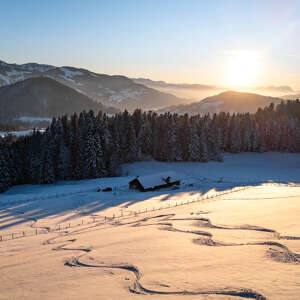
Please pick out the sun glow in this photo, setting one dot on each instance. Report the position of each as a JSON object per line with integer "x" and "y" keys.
{"x": 242, "y": 68}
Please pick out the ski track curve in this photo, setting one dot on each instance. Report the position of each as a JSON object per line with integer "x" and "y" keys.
{"x": 283, "y": 256}
{"x": 137, "y": 287}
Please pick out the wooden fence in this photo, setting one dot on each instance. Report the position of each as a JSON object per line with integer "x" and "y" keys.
{"x": 127, "y": 214}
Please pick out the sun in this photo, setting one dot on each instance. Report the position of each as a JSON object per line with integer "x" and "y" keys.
{"x": 242, "y": 68}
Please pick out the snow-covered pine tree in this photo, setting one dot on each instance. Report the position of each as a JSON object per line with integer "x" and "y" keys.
{"x": 193, "y": 143}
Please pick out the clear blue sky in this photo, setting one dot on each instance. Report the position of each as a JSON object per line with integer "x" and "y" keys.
{"x": 172, "y": 40}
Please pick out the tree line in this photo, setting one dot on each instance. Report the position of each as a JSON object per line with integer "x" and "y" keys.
{"x": 90, "y": 146}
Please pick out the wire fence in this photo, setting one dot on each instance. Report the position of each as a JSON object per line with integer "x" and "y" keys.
{"x": 123, "y": 214}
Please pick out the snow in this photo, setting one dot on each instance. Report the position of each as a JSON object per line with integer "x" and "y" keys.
{"x": 238, "y": 168}
{"x": 2, "y": 63}
{"x": 67, "y": 78}
{"x": 119, "y": 96}
{"x": 70, "y": 73}
{"x": 93, "y": 74}
{"x": 5, "y": 79}
{"x": 79, "y": 91}
{"x": 37, "y": 67}
{"x": 149, "y": 181}
{"x": 13, "y": 76}
{"x": 19, "y": 133}
{"x": 207, "y": 246}
{"x": 34, "y": 119}
{"x": 14, "y": 72}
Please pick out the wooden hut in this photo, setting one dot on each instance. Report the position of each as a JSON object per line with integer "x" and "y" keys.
{"x": 154, "y": 182}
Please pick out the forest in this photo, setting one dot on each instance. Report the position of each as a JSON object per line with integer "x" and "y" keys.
{"x": 92, "y": 145}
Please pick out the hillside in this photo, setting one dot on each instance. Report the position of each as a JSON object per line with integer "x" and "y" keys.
{"x": 230, "y": 101}
{"x": 43, "y": 97}
{"x": 118, "y": 91}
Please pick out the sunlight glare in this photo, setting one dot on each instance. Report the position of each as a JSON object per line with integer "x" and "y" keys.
{"x": 242, "y": 68}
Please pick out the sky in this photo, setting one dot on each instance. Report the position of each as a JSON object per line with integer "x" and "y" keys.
{"x": 218, "y": 42}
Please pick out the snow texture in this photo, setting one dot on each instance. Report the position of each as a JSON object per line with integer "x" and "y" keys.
{"x": 119, "y": 96}
{"x": 70, "y": 239}
{"x": 34, "y": 119}
{"x": 70, "y": 73}
{"x": 236, "y": 170}
{"x": 37, "y": 67}
{"x": 19, "y": 133}
{"x": 5, "y": 79}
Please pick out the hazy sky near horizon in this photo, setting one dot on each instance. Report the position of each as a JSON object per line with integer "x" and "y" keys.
{"x": 173, "y": 40}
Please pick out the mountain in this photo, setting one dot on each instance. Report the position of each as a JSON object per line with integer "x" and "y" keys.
{"x": 163, "y": 84}
{"x": 190, "y": 92}
{"x": 43, "y": 97}
{"x": 118, "y": 91}
{"x": 197, "y": 92}
{"x": 229, "y": 101}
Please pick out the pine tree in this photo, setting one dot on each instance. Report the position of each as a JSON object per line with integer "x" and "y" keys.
{"x": 193, "y": 144}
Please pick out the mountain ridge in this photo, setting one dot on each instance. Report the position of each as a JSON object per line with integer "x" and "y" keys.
{"x": 229, "y": 101}
{"x": 43, "y": 97}
{"x": 111, "y": 90}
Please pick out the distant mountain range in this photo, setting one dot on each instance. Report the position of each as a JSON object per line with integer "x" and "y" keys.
{"x": 197, "y": 92}
{"x": 43, "y": 97}
{"x": 38, "y": 90}
{"x": 117, "y": 91}
{"x": 163, "y": 84}
{"x": 229, "y": 101}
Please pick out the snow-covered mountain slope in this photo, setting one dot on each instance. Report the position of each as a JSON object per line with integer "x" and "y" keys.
{"x": 118, "y": 91}
{"x": 230, "y": 101}
{"x": 43, "y": 97}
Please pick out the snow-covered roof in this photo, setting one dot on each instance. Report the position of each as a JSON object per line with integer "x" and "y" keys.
{"x": 149, "y": 181}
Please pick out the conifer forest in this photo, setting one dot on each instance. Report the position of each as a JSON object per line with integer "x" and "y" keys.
{"x": 92, "y": 145}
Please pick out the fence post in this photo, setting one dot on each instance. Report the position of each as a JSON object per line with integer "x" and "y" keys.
{"x": 0, "y": 238}
{"x": 23, "y": 233}
{"x": 12, "y": 236}
{"x": 36, "y": 232}
{"x": 81, "y": 222}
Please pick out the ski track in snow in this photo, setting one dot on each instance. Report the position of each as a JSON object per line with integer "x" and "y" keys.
{"x": 276, "y": 251}
{"x": 273, "y": 242}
